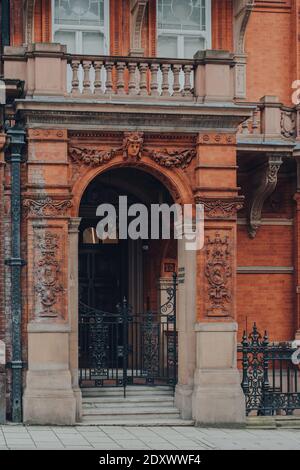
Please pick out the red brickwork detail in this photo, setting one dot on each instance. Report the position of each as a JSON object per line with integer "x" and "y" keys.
{"x": 16, "y": 22}
{"x": 42, "y": 21}
{"x": 222, "y": 21}
{"x": 269, "y": 45}
{"x": 272, "y": 246}
{"x": 268, "y": 300}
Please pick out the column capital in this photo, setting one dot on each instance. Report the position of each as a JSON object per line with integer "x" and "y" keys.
{"x": 220, "y": 208}
{"x": 73, "y": 224}
{"x": 16, "y": 144}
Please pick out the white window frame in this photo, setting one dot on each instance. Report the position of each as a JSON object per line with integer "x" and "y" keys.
{"x": 206, "y": 35}
{"x": 79, "y": 29}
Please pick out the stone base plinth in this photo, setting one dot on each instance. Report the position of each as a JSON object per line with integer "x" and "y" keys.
{"x": 218, "y": 398}
{"x": 49, "y": 398}
{"x": 78, "y": 398}
{"x": 183, "y": 400}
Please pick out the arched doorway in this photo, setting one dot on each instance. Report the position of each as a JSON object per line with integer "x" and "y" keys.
{"x": 133, "y": 341}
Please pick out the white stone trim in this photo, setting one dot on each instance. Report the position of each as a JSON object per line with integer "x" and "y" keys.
{"x": 288, "y": 222}
{"x": 265, "y": 269}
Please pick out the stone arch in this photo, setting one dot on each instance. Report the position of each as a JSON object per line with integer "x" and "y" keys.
{"x": 41, "y": 31}
{"x": 138, "y": 9}
{"x": 180, "y": 189}
{"x": 176, "y": 183}
{"x": 242, "y": 12}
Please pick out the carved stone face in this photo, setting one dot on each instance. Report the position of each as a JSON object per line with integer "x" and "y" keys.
{"x": 132, "y": 145}
{"x": 133, "y": 149}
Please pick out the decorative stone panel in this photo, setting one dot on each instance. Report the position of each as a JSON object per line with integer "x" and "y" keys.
{"x": 47, "y": 269}
{"x": 219, "y": 273}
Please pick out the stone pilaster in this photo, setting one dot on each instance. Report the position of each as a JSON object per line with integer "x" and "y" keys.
{"x": 217, "y": 394}
{"x": 186, "y": 308}
{"x": 49, "y": 396}
{"x": 73, "y": 309}
{"x": 297, "y": 263}
{"x": 297, "y": 251}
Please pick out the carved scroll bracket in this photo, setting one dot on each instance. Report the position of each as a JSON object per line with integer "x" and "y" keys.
{"x": 267, "y": 180}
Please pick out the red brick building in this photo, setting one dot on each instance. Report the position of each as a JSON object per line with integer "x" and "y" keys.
{"x": 205, "y": 88}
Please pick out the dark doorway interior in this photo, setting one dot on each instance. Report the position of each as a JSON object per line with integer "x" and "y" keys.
{"x": 133, "y": 342}
{"x": 103, "y": 272}
{"x": 110, "y": 271}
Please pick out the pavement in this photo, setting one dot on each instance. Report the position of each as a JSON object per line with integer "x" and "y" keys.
{"x": 154, "y": 438}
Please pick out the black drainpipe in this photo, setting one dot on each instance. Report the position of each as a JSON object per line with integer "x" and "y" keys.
{"x": 16, "y": 137}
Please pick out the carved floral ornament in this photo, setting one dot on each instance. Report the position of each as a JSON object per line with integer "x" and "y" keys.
{"x": 220, "y": 208}
{"x": 218, "y": 272}
{"x": 132, "y": 150}
{"x": 46, "y": 206}
{"x": 47, "y": 274}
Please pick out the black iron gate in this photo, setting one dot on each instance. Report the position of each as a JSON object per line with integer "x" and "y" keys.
{"x": 271, "y": 375}
{"x": 124, "y": 347}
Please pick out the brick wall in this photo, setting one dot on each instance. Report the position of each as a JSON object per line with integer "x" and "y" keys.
{"x": 266, "y": 298}
{"x": 269, "y": 45}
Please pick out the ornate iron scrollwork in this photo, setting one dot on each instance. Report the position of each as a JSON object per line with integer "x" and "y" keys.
{"x": 124, "y": 347}
{"x": 270, "y": 379}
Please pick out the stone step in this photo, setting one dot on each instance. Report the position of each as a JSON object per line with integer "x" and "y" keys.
{"x": 146, "y": 422}
{"x": 132, "y": 417}
{"x": 142, "y": 406}
{"x": 160, "y": 400}
{"x": 130, "y": 411}
{"x": 135, "y": 406}
{"x": 130, "y": 391}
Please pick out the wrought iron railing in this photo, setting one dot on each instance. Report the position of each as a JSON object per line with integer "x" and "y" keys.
{"x": 123, "y": 347}
{"x": 270, "y": 375}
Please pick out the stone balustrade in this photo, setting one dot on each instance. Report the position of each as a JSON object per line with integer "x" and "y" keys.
{"x": 251, "y": 126}
{"x": 125, "y": 76}
{"x": 271, "y": 119}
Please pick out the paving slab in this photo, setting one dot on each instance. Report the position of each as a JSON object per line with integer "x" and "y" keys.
{"x": 156, "y": 438}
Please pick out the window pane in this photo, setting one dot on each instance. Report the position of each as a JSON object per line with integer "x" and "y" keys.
{"x": 167, "y": 46}
{"x": 67, "y": 38}
{"x": 92, "y": 43}
{"x": 79, "y": 12}
{"x": 192, "y": 45}
{"x": 183, "y": 15}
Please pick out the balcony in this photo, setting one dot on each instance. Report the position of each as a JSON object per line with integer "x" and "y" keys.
{"x": 271, "y": 127}
{"x": 110, "y": 92}
{"x": 48, "y": 70}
